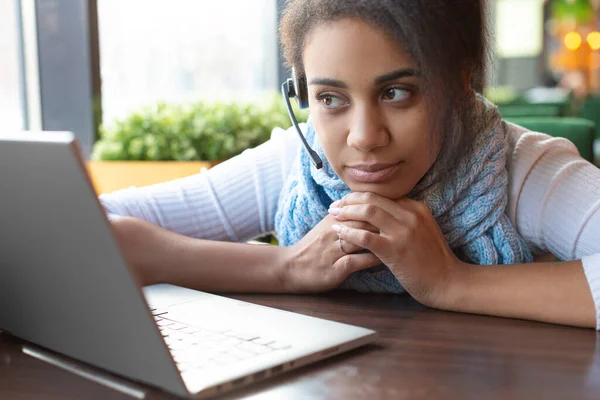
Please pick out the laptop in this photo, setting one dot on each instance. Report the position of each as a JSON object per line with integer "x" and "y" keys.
{"x": 65, "y": 286}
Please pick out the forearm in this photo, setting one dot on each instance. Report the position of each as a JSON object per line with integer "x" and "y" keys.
{"x": 158, "y": 255}
{"x": 549, "y": 292}
{"x": 234, "y": 201}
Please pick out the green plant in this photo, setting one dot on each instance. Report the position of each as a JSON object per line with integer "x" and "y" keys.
{"x": 581, "y": 11}
{"x": 187, "y": 132}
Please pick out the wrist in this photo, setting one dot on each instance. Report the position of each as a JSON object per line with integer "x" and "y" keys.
{"x": 134, "y": 241}
{"x": 457, "y": 287}
{"x": 282, "y": 269}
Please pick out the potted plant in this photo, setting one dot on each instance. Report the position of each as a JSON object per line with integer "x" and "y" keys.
{"x": 169, "y": 141}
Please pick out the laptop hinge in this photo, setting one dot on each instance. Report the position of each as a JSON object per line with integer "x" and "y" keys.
{"x": 87, "y": 373}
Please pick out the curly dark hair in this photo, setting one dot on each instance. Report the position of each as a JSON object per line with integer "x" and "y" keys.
{"x": 447, "y": 39}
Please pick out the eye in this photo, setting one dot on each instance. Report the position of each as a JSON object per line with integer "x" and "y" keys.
{"x": 330, "y": 101}
{"x": 394, "y": 95}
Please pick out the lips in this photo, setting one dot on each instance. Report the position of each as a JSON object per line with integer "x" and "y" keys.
{"x": 371, "y": 167}
{"x": 371, "y": 173}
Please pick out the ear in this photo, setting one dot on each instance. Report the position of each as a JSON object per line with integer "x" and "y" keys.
{"x": 467, "y": 76}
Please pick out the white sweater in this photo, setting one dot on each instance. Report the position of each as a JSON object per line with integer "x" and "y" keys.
{"x": 554, "y": 198}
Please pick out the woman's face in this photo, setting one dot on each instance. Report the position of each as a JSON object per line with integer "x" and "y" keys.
{"x": 367, "y": 108}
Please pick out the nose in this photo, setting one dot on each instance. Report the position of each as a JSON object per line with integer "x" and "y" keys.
{"x": 368, "y": 130}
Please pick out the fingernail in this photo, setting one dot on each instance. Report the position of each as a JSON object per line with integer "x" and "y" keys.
{"x": 335, "y": 204}
{"x": 336, "y": 228}
{"x": 334, "y": 211}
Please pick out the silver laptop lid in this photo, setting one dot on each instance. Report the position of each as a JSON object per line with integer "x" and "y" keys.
{"x": 63, "y": 282}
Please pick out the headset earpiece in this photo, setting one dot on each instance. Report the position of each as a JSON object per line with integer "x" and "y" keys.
{"x": 300, "y": 89}
{"x": 297, "y": 87}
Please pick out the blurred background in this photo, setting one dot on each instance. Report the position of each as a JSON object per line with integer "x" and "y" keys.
{"x": 198, "y": 80}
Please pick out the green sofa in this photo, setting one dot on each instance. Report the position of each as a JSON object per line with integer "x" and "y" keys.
{"x": 530, "y": 110}
{"x": 580, "y": 131}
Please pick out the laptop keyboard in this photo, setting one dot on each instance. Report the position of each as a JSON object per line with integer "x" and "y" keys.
{"x": 194, "y": 347}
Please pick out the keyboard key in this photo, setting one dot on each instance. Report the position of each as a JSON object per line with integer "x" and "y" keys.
{"x": 179, "y": 358}
{"x": 224, "y": 359}
{"x": 254, "y": 348}
{"x": 192, "y": 340}
{"x": 183, "y": 366}
{"x": 175, "y": 334}
{"x": 198, "y": 365}
{"x": 203, "y": 334}
{"x": 246, "y": 336}
{"x": 193, "y": 375}
{"x": 180, "y": 355}
{"x": 240, "y": 354}
{"x": 214, "y": 327}
{"x": 210, "y": 337}
{"x": 177, "y": 326}
{"x": 263, "y": 341}
{"x": 207, "y": 345}
{"x": 158, "y": 311}
{"x": 189, "y": 329}
{"x": 177, "y": 345}
{"x": 189, "y": 340}
{"x": 230, "y": 342}
{"x": 216, "y": 338}
{"x": 164, "y": 322}
{"x": 202, "y": 363}
{"x": 279, "y": 346}
{"x": 204, "y": 354}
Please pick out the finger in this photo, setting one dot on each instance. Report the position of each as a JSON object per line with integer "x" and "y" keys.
{"x": 383, "y": 221}
{"x": 356, "y": 198}
{"x": 355, "y": 262}
{"x": 407, "y": 211}
{"x": 413, "y": 205}
{"x": 348, "y": 248}
{"x": 361, "y": 238}
{"x": 344, "y": 248}
{"x": 414, "y": 214}
{"x": 360, "y": 225}
{"x": 379, "y": 218}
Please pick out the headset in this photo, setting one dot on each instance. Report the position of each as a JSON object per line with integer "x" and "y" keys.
{"x": 297, "y": 87}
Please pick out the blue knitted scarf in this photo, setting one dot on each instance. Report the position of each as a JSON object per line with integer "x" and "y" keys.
{"x": 468, "y": 204}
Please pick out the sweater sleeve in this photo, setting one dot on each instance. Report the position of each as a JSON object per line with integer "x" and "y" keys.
{"x": 233, "y": 201}
{"x": 554, "y": 202}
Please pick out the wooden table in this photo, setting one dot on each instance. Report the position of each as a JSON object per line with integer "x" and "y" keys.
{"x": 421, "y": 354}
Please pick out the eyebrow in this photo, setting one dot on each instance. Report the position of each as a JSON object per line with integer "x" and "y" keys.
{"x": 401, "y": 73}
{"x": 328, "y": 82}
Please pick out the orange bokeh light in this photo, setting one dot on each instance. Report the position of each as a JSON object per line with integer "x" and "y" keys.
{"x": 593, "y": 40}
{"x": 573, "y": 40}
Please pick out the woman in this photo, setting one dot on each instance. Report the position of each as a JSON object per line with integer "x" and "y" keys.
{"x": 422, "y": 182}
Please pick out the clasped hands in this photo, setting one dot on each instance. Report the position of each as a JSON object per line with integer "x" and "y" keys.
{"x": 402, "y": 234}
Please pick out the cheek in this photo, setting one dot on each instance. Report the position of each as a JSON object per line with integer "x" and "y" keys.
{"x": 332, "y": 137}
{"x": 412, "y": 134}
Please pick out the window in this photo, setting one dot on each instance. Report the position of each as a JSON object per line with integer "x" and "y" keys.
{"x": 11, "y": 99}
{"x": 185, "y": 50}
{"x": 519, "y": 28}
